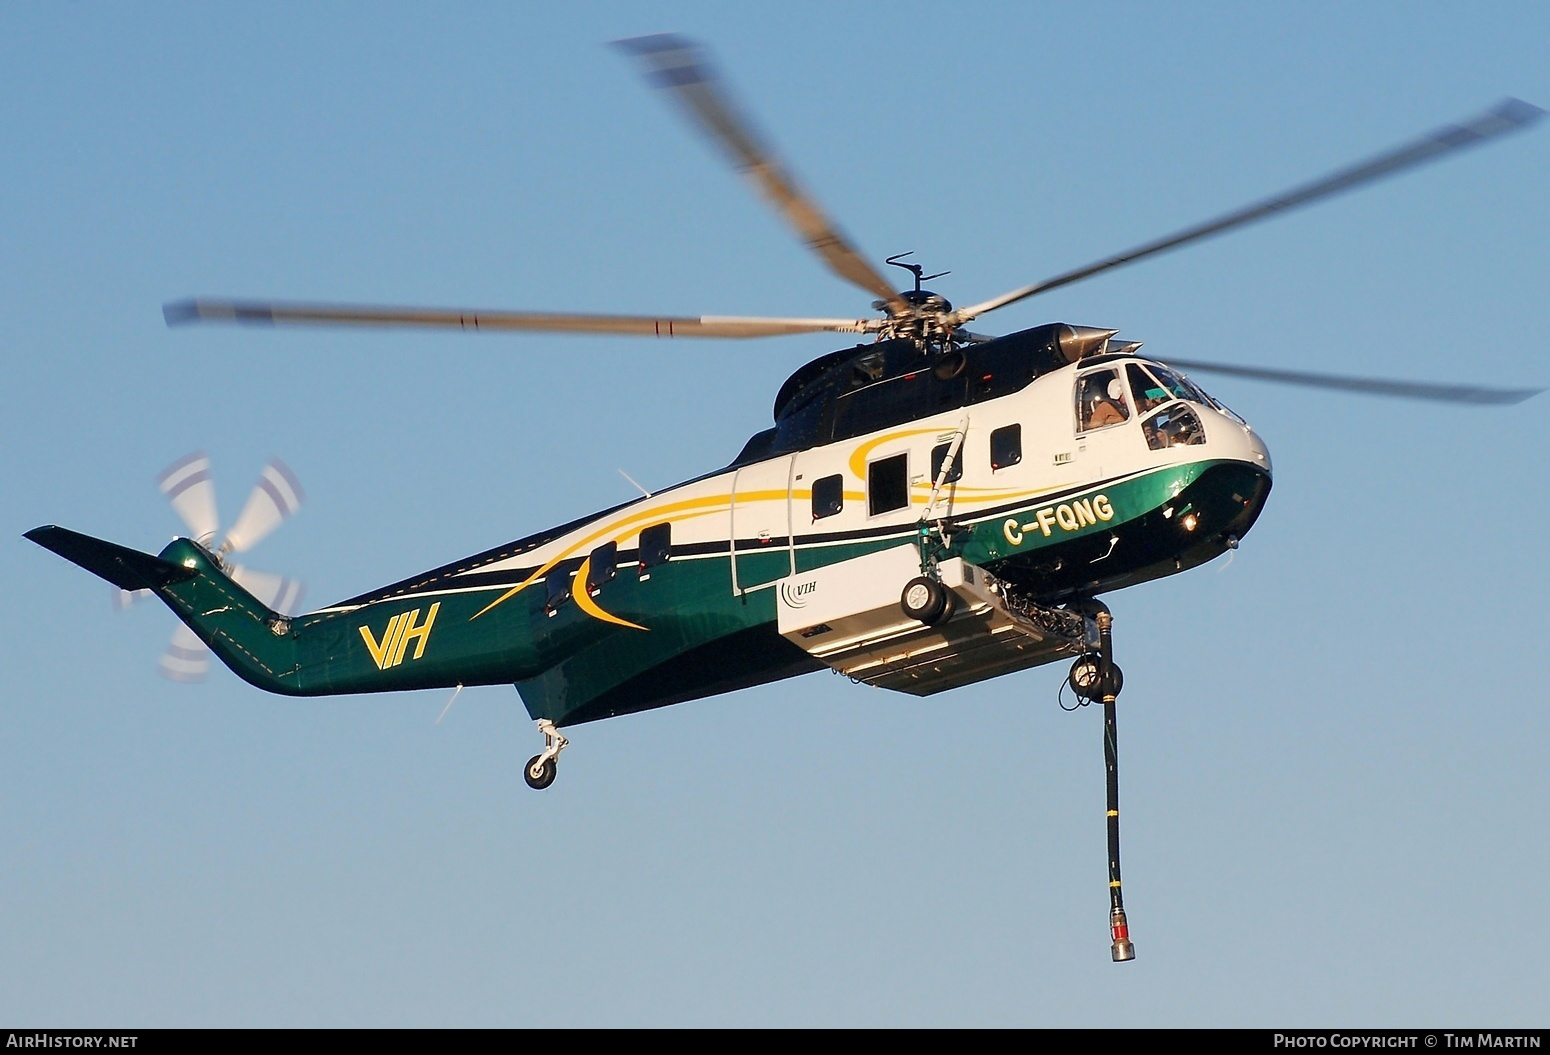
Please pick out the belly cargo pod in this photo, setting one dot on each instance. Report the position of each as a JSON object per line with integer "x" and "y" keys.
{"x": 849, "y": 615}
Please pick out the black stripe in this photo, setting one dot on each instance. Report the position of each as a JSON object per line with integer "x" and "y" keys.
{"x": 453, "y": 574}
{"x": 461, "y": 574}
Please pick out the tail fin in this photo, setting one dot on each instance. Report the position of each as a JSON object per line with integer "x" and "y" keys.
{"x": 125, "y": 568}
{"x": 255, "y": 641}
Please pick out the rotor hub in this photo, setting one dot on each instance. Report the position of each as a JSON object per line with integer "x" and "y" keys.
{"x": 923, "y": 300}
{"x": 924, "y": 318}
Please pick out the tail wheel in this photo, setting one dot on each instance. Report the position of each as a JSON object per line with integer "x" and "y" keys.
{"x": 540, "y": 772}
{"x": 928, "y": 601}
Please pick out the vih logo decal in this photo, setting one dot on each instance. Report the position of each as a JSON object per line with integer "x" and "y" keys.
{"x": 401, "y": 629}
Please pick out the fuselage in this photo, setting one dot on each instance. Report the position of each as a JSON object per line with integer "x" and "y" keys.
{"x": 1063, "y": 480}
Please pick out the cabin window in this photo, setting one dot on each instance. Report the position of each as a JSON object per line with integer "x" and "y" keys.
{"x": 557, "y": 586}
{"x": 828, "y": 496}
{"x": 1006, "y": 446}
{"x": 601, "y": 566}
{"x": 1173, "y": 426}
{"x": 888, "y": 484}
{"x": 656, "y": 546}
{"x": 1100, "y": 401}
{"x": 939, "y": 456}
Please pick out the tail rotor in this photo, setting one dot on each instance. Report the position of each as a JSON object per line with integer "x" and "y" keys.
{"x": 186, "y": 659}
{"x": 274, "y": 499}
{"x": 186, "y": 483}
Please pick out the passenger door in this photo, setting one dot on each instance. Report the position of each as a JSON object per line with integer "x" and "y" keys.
{"x": 761, "y": 524}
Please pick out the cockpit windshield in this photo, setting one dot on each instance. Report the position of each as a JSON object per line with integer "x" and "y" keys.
{"x": 1179, "y": 386}
{"x": 1154, "y": 384}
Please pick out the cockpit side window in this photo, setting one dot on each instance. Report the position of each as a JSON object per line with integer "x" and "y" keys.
{"x": 1147, "y": 391}
{"x": 1100, "y": 400}
{"x": 1173, "y": 426}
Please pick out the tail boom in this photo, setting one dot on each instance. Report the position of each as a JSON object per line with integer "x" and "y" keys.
{"x": 324, "y": 653}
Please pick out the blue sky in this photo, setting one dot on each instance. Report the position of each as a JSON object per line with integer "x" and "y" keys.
{"x": 1332, "y": 747}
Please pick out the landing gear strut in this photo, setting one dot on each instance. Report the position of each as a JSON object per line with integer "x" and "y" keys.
{"x": 542, "y": 768}
{"x": 1098, "y": 678}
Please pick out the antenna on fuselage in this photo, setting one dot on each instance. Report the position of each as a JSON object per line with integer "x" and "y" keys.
{"x": 632, "y": 480}
{"x": 450, "y": 702}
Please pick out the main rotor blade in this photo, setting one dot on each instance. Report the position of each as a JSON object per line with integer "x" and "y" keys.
{"x": 679, "y": 65}
{"x": 1507, "y": 116}
{"x": 263, "y": 312}
{"x": 1372, "y": 386}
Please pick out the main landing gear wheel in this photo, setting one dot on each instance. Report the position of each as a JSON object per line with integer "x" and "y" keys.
{"x": 543, "y": 767}
{"x": 927, "y": 600}
{"x": 540, "y": 772}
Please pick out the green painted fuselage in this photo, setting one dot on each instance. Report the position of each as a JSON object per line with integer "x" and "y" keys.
{"x": 672, "y": 597}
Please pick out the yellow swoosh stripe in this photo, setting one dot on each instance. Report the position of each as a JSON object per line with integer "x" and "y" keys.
{"x": 687, "y": 509}
{"x": 584, "y": 601}
{"x": 706, "y": 505}
{"x": 859, "y": 455}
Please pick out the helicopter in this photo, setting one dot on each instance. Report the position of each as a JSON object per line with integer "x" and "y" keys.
{"x": 932, "y": 507}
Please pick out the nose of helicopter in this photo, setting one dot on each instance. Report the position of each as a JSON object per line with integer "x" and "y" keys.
{"x": 1258, "y": 452}
{"x": 1226, "y": 500}
{"x": 1235, "y": 439}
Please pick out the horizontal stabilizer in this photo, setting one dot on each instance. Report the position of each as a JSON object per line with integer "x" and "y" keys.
{"x": 123, "y": 567}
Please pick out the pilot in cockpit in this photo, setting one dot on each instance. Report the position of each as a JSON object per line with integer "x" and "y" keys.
{"x": 1102, "y": 401}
